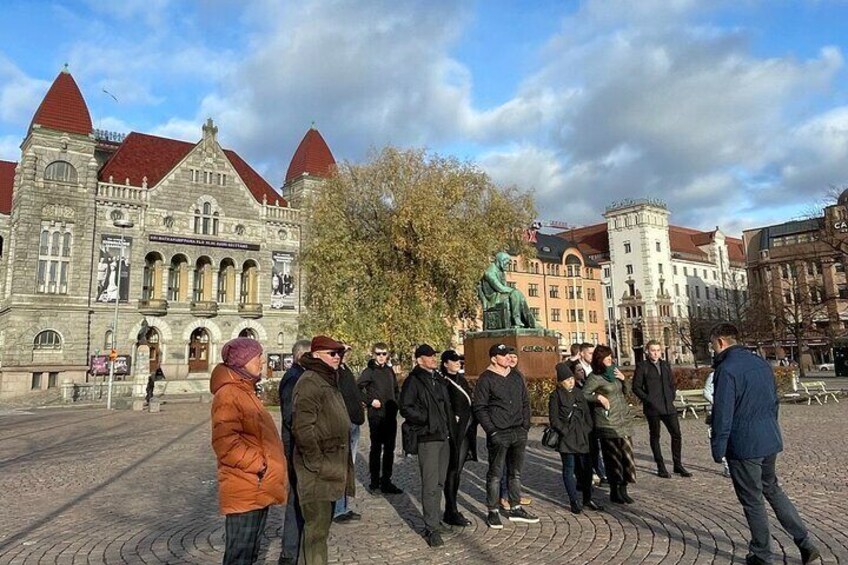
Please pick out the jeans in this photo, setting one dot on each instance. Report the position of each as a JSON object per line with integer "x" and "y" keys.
{"x": 754, "y": 479}
{"x": 433, "y": 460}
{"x": 244, "y": 536}
{"x": 506, "y": 447}
{"x": 577, "y": 476}
{"x": 673, "y": 426}
{"x": 458, "y": 453}
{"x": 318, "y": 516}
{"x": 293, "y": 522}
{"x": 341, "y": 504}
{"x": 383, "y": 431}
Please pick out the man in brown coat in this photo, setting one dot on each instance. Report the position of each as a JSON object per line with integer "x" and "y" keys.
{"x": 322, "y": 458}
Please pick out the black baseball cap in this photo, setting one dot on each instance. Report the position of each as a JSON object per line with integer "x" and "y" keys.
{"x": 451, "y": 355}
{"x": 424, "y": 350}
{"x": 500, "y": 349}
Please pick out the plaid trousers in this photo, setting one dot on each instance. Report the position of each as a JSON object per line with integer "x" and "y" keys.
{"x": 244, "y": 536}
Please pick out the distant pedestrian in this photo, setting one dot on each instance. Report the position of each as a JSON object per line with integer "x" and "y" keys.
{"x": 745, "y": 429}
{"x": 571, "y": 417}
{"x": 151, "y": 386}
{"x": 605, "y": 389}
{"x": 293, "y": 523}
{"x": 463, "y": 434}
{"x": 653, "y": 384}
{"x": 342, "y": 513}
{"x": 379, "y": 386}
{"x": 322, "y": 459}
{"x": 501, "y": 405}
{"x": 251, "y": 463}
{"x": 426, "y": 407}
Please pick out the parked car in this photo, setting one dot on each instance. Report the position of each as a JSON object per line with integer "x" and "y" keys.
{"x": 826, "y": 367}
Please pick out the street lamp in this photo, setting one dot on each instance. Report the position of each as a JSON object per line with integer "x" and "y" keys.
{"x": 121, "y": 224}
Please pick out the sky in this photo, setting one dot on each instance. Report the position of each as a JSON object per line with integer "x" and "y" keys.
{"x": 733, "y": 112}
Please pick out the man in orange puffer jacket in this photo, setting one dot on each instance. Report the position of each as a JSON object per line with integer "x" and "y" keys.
{"x": 251, "y": 464}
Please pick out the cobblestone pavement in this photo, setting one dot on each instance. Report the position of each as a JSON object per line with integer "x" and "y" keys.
{"x": 95, "y": 487}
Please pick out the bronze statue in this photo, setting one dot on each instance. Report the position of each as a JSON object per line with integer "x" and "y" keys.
{"x": 503, "y": 306}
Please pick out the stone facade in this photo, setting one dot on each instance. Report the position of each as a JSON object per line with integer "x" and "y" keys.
{"x": 209, "y": 253}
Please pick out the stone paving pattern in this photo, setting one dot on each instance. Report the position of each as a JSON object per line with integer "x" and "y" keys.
{"x": 87, "y": 486}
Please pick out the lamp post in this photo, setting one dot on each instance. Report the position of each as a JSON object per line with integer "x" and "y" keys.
{"x": 122, "y": 225}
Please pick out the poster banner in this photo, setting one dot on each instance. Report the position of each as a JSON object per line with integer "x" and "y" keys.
{"x": 282, "y": 281}
{"x": 100, "y": 365}
{"x": 108, "y": 285}
{"x": 275, "y": 361}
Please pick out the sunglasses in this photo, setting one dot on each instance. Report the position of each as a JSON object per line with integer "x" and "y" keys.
{"x": 381, "y": 353}
{"x": 334, "y": 353}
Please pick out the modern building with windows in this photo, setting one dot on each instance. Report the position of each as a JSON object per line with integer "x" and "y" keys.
{"x": 662, "y": 281}
{"x": 194, "y": 245}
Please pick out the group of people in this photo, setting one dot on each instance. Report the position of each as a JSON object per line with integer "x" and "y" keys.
{"x": 323, "y": 405}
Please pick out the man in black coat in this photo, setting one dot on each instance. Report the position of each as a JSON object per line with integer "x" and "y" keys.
{"x": 653, "y": 383}
{"x": 353, "y": 402}
{"x": 425, "y": 404}
{"x": 379, "y": 386}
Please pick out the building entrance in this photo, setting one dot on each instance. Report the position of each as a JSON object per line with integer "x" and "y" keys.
{"x": 198, "y": 351}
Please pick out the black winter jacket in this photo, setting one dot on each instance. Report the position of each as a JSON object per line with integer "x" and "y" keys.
{"x": 352, "y": 396}
{"x": 464, "y": 425}
{"x": 501, "y": 403}
{"x": 379, "y": 383}
{"x": 571, "y": 416}
{"x": 425, "y": 404}
{"x": 655, "y": 388}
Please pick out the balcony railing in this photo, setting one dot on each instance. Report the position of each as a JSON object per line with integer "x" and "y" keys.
{"x": 204, "y": 308}
{"x": 153, "y": 306}
{"x": 250, "y": 310}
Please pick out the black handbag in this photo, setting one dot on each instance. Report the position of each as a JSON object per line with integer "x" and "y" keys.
{"x": 550, "y": 438}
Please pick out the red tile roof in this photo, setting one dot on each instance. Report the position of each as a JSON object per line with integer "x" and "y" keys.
{"x": 63, "y": 107}
{"x": 591, "y": 240}
{"x": 142, "y": 155}
{"x": 7, "y": 183}
{"x": 735, "y": 249}
{"x": 313, "y": 157}
{"x": 682, "y": 240}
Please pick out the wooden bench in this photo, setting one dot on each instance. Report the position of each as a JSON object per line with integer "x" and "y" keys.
{"x": 816, "y": 390}
{"x": 691, "y": 401}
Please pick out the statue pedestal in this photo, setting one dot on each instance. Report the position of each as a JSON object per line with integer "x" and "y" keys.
{"x": 537, "y": 348}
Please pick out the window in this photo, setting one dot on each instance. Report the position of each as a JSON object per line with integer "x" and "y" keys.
{"x": 52, "y": 379}
{"x": 107, "y": 339}
{"x": 631, "y": 287}
{"x": 660, "y": 267}
{"x": 249, "y": 282}
{"x": 784, "y": 271}
{"x": 629, "y": 269}
{"x": 697, "y": 291}
{"x": 688, "y": 292}
{"x": 627, "y": 247}
{"x": 535, "y": 312}
{"x": 715, "y": 276}
{"x": 659, "y": 247}
{"x": 203, "y": 280}
{"x": 151, "y": 280}
{"x": 48, "y": 339}
{"x": 54, "y": 258}
{"x": 674, "y": 269}
{"x": 61, "y": 171}
{"x": 555, "y": 315}
{"x": 705, "y": 274}
{"x": 36, "y": 381}
{"x": 177, "y": 278}
{"x": 606, "y": 272}
{"x": 608, "y": 292}
{"x": 227, "y": 282}
{"x": 533, "y": 290}
{"x": 609, "y": 313}
{"x": 676, "y": 289}
{"x": 685, "y": 271}
{"x": 590, "y": 294}
{"x": 553, "y": 291}
{"x": 580, "y": 315}
{"x": 707, "y": 293}
{"x": 511, "y": 284}
{"x": 206, "y": 219}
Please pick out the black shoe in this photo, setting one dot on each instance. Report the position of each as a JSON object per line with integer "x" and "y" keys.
{"x": 518, "y": 514}
{"x": 603, "y": 482}
{"x": 810, "y": 555}
{"x": 374, "y": 488}
{"x": 343, "y": 518}
{"x": 456, "y": 520}
{"x": 576, "y": 508}
{"x": 493, "y": 520}
{"x": 754, "y": 560}
{"x": 663, "y": 473}
{"x": 390, "y": 488}
{"x": 592, "y": 505}
{"x": 615, "y": 495}
{"x": 681, "y": 470}
{"x": 287, "y": 561}
{"x": 433, "y": 538}
{"x": 626, "y": 497}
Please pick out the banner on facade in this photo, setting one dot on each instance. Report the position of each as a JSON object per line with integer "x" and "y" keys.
{"x": 99, "y": 365}
{"x": 282, "y": 281}
{"x": 275, "y": 361}
{"x": 221, "y": 244}
{"x": 110, "y": 262}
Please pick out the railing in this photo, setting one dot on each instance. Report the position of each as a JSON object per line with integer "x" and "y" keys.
{"x": 250, "y": 310}
{"x": 153, "y": 306}
{"x": 111, "y": 136}
{"x": 205, "y": 308}
{"x": 281, "y": 213}
{"x": 122, "y": 192}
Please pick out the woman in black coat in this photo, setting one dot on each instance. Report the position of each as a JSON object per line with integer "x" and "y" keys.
{"x": 571, "y": 417}
{"x": 463, "y": 434}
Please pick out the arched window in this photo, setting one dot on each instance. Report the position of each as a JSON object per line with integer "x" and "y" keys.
{"x": 177, "y": 278}
{"x": 206, "y": 219}
{"x": 61, "y": 171}
{"x": 226, "y": 282}
{"x": 249, "y": 282}
{"x": 107, "y": 340}
{"x": 152, "y": 277}
{"x": 203, "y": 280}
{"x": 248, "y": 333}
{"x": 66, "y": 245}
{"x": 280, "y": 338}
{"x": 54, "y": 259}
{"x": 48, "y": 339}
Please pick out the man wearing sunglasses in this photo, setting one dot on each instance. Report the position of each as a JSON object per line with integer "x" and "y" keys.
{"x": 379, "y": 386}
{"x": 322, "y": 458}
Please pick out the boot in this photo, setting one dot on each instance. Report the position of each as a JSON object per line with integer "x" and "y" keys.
{"x": 622, "y": 490}
{"x": 615, "y": 494}
{"x": 662, "y": 472}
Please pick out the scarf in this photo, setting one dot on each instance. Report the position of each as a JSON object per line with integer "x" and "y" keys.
{"x": 609, "y": 374}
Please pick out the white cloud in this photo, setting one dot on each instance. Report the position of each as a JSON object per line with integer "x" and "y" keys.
{"x": 17, "y": 92}
{"x": 10, "y": 148}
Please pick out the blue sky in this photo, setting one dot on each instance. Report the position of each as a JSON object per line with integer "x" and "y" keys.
{"x": 735, "y": 113}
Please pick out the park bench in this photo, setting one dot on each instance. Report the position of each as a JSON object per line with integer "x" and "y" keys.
{"x": 816, "y": 390}
{"x": 691, "y": 401}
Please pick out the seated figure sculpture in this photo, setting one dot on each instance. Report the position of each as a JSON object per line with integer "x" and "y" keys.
{"x": 494, "y": 292}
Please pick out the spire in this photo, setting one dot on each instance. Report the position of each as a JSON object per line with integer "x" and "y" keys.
{"x": 312, "y": 157}
{"x": 63, "y": 107}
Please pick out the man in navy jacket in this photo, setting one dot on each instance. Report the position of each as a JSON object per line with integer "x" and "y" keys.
{"x": 746, "y": 431}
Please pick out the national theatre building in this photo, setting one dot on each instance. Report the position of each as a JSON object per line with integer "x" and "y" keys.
{"x": 194, "y": 244}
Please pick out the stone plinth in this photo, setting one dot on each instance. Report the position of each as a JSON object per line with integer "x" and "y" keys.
{"x": 538, "y": 351}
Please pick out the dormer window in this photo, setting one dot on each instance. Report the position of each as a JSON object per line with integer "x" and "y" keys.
{"x": 206, "y": 219}
{"x": 61, "y": 171}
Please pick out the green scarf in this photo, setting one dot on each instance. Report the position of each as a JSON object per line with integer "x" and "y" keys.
{"x": 609, "y": 374}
